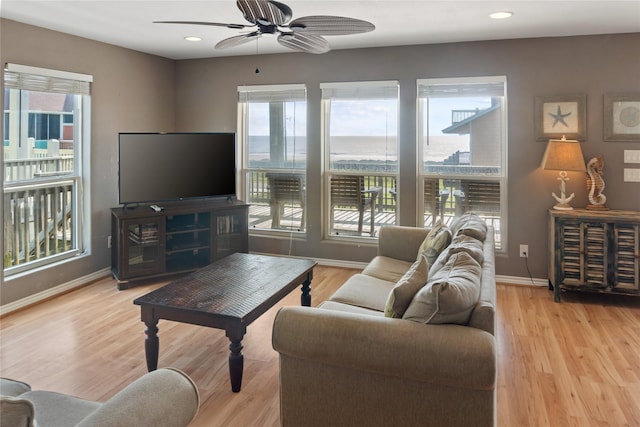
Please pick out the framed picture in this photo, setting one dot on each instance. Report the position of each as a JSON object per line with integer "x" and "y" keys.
{"x": 558, "y": 116}
{"x": 622, "y": 117}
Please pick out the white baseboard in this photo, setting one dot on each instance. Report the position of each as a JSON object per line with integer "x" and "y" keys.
{"x": 326, "y": 262}
{"x": 524, "y": 281}
{"x": 52, "y": 292}
{"x": 81, "y": 281}
{"x": 512, "y": 280}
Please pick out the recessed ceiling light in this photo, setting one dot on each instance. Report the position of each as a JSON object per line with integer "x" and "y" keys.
{"x": 193, "y": 39}
{"x": 501, "y": 15}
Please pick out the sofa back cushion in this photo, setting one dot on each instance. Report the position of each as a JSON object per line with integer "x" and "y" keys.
{"x": 460, "y": 243}
{"x": 484, "y": 313}
{"x": 471, "y": 225}
{"x": 450, "y": 295}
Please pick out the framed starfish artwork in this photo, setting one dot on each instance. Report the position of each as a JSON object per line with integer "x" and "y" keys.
{"x": 558, "y": 116}
{"x": 622, "y": 117}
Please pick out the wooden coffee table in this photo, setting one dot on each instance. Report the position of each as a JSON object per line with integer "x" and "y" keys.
{"x": 228, "y": 294}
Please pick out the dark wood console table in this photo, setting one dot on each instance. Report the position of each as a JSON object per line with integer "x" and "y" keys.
{"x": 180, "y": 238}
{"x": 229, "y": 294}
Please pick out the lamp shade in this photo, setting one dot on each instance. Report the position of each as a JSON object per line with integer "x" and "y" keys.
{"x": 563, "y": 155}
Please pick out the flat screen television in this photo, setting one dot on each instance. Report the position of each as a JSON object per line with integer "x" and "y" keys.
{"x": 160, "y": 167}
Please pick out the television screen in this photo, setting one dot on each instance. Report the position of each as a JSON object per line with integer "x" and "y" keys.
{"x": 156, "y": 167}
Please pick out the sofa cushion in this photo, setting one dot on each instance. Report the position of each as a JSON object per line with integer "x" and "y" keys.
{"x": 405, "y": 289}
{"x": 471, "y": 225}
{"x": 438, "y": 238}
{"x": 348, "y": 308}
{"x": 460, "y": 243}
{"x": 386, "y": 268}
{"x": 364, "y": 291}
{"x": 450, "y": 295}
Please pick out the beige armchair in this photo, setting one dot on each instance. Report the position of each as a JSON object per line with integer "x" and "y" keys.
{"x": 163, "y": 398}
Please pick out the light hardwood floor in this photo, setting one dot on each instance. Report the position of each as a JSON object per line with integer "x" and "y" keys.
{"x": 576, "y": 363}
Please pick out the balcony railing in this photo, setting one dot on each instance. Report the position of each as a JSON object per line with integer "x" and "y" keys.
{"x": 37, "y": 166}
{"x": 291, "y": 213}
{"x": 37, "y": 222}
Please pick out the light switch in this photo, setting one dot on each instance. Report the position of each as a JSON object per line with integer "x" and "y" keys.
{"x": 632, "y": 156}
{"x": 631, "y": 175}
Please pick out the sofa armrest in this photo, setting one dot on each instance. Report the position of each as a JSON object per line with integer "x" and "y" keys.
{"x": 16, "y": 412}
{"x": 401, "y": 242}
{"x": 163, "y": 398}
{"x": 447, "y": 355}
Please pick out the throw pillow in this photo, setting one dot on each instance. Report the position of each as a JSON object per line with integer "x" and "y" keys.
{"x": 470, "y": 224}
{"x": 450, "y": 295}
{"x": 404, "y": 290}
{"x": 438, "y": 238}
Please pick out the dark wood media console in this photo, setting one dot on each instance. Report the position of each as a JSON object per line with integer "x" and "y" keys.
{"x": 182, "y": 237}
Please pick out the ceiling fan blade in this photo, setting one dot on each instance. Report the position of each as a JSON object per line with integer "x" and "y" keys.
{"x": 236, "y": 40}
{"x": 265, "y": 11}
{"x": 213, "y": 24}
{"x": 285, "y": 10}
{"x": 302, "y": 42}
{"x": 330, "y": 25}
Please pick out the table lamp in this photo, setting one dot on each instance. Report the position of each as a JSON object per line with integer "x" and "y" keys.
{"x": 563, "y": 155}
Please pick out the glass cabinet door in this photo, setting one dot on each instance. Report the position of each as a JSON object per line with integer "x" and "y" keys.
{"x": 230, "y": 233}
{"x": 144, "y": 249}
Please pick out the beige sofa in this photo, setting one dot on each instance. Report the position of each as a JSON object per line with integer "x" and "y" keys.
{"x": 346, "y": 364}
{"x": 162, "y": 398}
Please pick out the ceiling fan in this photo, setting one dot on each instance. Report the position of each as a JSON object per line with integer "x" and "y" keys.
{"x": 270, "y": 17}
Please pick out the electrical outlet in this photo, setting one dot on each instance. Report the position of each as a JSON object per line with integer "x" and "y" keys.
{"x": 524, "y": 251}
{"x": 109, "y": 242}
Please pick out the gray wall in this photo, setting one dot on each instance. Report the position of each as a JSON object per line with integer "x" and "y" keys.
{"x": 138, "y": 92}
{"x": 131, "y": 92}
{"x": 593, "y": 65}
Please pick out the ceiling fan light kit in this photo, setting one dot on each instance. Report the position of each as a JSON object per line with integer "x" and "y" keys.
{"x": 270, "y": 17}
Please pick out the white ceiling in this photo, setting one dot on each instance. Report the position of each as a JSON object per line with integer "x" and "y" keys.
{"x": 129, "y": 23}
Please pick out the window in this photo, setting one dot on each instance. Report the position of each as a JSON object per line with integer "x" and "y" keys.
{"x": 46, "y": 123}
{"x": 361, "y": 156}
{"x": 273, "y": 138}
{"x": 462, "y": 140}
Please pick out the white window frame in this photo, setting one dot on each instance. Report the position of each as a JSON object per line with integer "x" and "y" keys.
{"x": 22, "y": 77}
{"x": 266, "y": 93}
{"x": 501, "y": 177}
{"x": 353, "y": 90}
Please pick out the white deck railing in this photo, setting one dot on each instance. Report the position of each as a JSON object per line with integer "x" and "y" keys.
{"x": 37, "y": 221}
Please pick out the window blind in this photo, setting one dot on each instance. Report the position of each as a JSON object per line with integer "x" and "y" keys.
{"x": 272, "y": 93}
{"x": 44, "y": 80}
{"x": 360, "y": 90}
{"x": 440, "y": 88}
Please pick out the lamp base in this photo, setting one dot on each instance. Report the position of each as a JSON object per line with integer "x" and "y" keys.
{"x": 563, "y": 207}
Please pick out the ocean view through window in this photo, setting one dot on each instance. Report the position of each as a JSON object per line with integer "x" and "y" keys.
{"x": 272, "y": 136}
{"x": 360, "y": 122}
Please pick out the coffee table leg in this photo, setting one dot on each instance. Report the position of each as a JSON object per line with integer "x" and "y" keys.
{"x": 236, "y": 359}
{"x": 305, "y": 298}
{"x": 236, "y": 365}
{"x": 151, "y": 344}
